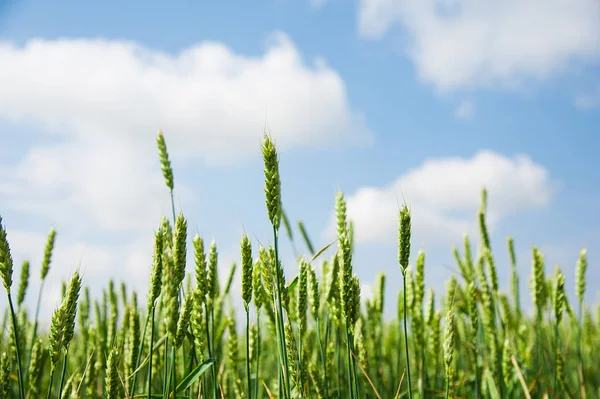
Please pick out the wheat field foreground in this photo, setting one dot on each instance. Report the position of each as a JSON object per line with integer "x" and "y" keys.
{"x": 303, "y": 336}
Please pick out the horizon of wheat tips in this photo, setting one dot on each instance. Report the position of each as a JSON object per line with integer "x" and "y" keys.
{"x": 311, "y": 328}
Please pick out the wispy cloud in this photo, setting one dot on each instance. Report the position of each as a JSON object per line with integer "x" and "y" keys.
{"x": 444, "y": 194}
{"x": 470, "y": 43}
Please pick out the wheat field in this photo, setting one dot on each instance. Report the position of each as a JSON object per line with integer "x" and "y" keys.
{"x": 308, "y": 335}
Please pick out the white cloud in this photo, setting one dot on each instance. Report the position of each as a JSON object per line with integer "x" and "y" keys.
{"x": 103, "y": 102}
{"x": 470, "y": 43}
{"x": 465, "y": 110}
{"x": 95, "y": 263}
{"x": 444, "y": 194}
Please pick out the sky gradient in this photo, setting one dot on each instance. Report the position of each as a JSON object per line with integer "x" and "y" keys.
{"x": 386, "y": 100}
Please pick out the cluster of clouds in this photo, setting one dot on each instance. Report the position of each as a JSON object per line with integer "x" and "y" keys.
{"x": 96, "y": 106}
{"x": 100, "y": 102}
{"x": 470, "y": 44}
{"x": 444, "y": 194}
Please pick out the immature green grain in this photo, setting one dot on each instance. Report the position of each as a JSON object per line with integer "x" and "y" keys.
{"x": 580, "y": 271}
{"x": 48, "y": 254}
{"x": 449, "y": 343}
{"x": 112, "y": 375}
{"x": 171, "y": 298}
{"x": 180, "y": 247}
{"x": 314, "y": 294}
{"x": 485, "y": 238}
{"x": 404, "y": 232}
{"x": 114, "y": 314}
{"x": 6, "y": 262}
{"x": 4, "y": 375}
{"x": 473, "y": 312}
{"x": 201, "y": 268}
{"x": 272, "y": 181}
{"x": 196, "y": 323}
{"x": 157, "y": 270}
{"x": 404, "y": 238}
{"x": 247, "y": 264}
{"x": 302, "y": 304}
{"x": 507, "y": 366}
{"x": 258, "y": 289}
{"x": 184, "y": 319}
{"x": 468, "y": 256}
{"x": 132, "y": 343}
{"x": 35, "y": 369}
{"x": 70, "y": 308}
{"x": 538, "y": 288}
{"x": 580, "y": 274}
{"x": 232, "y": 343}
{"x": 24, "y": 282}
{"x": 559, "y": 296}
{"x": 434, "y": 341}
{"x": 213, "y": 273}
{"x": 514, "y": 281}
{"x": 164, "y": 160}
{"x": 491, "y": 269}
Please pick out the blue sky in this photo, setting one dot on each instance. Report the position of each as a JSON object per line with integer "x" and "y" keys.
{"x": 383, "y": 99}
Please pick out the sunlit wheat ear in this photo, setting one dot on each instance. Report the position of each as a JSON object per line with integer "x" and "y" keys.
{"x": 213, "y": 273}
{"x": 292, "y": 353}
{"x": 184, "y": 319}
{"x": 180, "y": 247}
{"x": 48, "y": 254}
{"x": 171, "y": 298}
{"x": 449, "y": 343}
{"x": 164, "y": 160}
{"x": 302, "y": 304}
{"x": 70, "y": 308}
{"x": 559, "y": 295}
{"x": 537, "y": 281}
{"x": 63, "y": 321}
{"x": 201, "y": 269}
{"x": 157, "y": 270}
{"x": 232, "y": 342}
{"x": 491, "y": 269}
{"x": 341, "y": 215}
{"x": 473, "y": 312}
{"x": 272, "y": 181}
{"x": 507, "y": 366}
{"x": 35, "y": 368}
{"x": 580, "y": 274}
{"x": 112, "y": 375}
{"x": 420, "y": 280}
{"x": 23, "y": 283}
{"x": 404, "y": 232}
{"x": 6, "y": 262}
{"x": 483, "y": 230}
{"x": 258, "y": 291}
{"x": 247, "y": 270}
{"x": 314, "y": 293}
{"x": 132, "y": 340}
